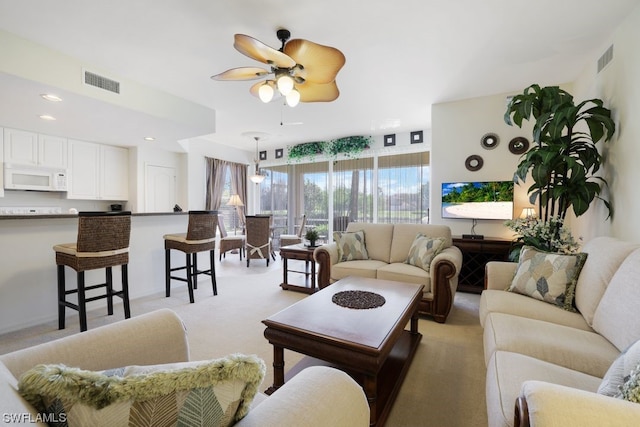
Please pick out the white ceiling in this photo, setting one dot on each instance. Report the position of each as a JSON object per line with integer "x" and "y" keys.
{"x": 402, "y": 57}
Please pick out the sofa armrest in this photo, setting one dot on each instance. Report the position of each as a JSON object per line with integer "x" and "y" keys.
{"x": 316, "y": 396}
{"x": 544, "y": 404}
{"x": 444, "y": 271}
{"x": 499, "y": 274}
{"x": 325, "y": 256}
{"x": 149, "y": 339}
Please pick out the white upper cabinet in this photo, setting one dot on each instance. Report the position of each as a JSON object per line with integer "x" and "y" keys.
{"x": 32, "y": 149}
{"x": 98, "y": 171}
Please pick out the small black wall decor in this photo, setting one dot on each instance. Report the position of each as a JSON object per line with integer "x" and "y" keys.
{"x": 417, "y": 137}
{"x": 390, "y": 140}
{"x": 279, "y": 153}
{"x": 263, "y": 155}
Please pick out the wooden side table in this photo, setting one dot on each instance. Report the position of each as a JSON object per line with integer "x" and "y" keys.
{"x": 476, "y": 253}
{"x": 302, "y": 253}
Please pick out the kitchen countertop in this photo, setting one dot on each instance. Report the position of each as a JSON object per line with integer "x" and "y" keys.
{"x": 54, "y": 216}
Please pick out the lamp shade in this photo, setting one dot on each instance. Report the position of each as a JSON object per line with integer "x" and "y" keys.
{"x": 257, "y": 178}
{"x": 285, "y": 84}
{"x": 293, "y": 98}
{"x": 528, "y": 213}
{"x": 265, "y": 92}
{"x": 234, "y": 200}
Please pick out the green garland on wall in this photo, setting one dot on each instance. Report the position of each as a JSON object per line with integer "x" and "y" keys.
{"x": 350, "y": 146}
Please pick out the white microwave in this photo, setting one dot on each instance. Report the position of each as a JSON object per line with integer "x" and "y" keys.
{"x": 17, "y": 177}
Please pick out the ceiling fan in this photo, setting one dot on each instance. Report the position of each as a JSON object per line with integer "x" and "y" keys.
{"x": 301, "y": 71}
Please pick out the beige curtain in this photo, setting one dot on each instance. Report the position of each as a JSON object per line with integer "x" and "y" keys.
{"x": 239, "y": 186}
{"x": 216, "y": 170}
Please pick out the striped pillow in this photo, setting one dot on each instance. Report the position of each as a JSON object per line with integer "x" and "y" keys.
{"x": 423, "y": 250}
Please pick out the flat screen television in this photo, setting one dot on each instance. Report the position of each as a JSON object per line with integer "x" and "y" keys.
{"x": 477, "y": 200}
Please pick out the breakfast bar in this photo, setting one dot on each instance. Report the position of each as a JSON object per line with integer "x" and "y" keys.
{"x": 28, "y": 269}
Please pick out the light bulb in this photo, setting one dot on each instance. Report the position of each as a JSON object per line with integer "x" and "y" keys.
{"x": 285, "y": 84}
{"x": 293, "y": 98}
{"x": 265, "y": 92}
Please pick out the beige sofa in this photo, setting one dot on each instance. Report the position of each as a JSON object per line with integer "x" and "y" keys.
{"x": 388, "y": 246}
{"x": 552, "y": 361}
{"x": 159, "y": 337}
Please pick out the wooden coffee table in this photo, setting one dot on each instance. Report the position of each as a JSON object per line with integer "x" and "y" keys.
{"x": 371, "y": 345}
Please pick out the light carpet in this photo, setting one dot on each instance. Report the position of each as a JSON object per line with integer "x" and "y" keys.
{"x": 444, "y": 386}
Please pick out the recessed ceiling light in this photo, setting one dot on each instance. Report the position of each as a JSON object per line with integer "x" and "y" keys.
{"x": 51, "y": 97}
{"x": 149, "y": 138}
{"x": 47, "y": 117}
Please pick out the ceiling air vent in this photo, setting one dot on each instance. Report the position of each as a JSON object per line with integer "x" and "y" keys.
{"x": 606, "y": 57}
{"x": 101, "y": 82}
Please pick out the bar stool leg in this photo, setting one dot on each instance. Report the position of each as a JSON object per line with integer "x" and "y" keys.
{"x": 212, "y": 272}
{"x": 61, "y": 296}
{"x": 167, "y": 272}
{"x": 125, "y": 290}
{"x": 82, "y": 304}
{"x": 109, "y": 283}
{"x": 189, "y": 279}
{"x": 195, "y": 270}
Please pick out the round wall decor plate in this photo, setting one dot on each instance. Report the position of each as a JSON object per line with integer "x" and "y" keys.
{"x": 489, "y": 141}
{"x": 519, "y": 145}
{"x": 474, "y": 163}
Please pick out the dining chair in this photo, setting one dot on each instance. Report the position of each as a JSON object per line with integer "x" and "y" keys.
{"x": 293, "y": 239}
{"x": 227, "y": 242}
{"x": 258, "y": 238}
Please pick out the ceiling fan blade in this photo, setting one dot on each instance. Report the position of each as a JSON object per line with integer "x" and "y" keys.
{"x": 242, "y": 73}
{"x": 318, "y": 92}
{"x": 321, "y": 63}
{"x": 259, "y": 51}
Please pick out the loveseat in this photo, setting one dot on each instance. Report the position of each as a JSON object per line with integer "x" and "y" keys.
{"x": 387, "y": 248}
{"x": 160, "y": 338}
{"x": 547, "y": 365}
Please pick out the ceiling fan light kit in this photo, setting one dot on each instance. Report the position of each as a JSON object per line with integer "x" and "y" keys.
{"x": 303, "y": 71}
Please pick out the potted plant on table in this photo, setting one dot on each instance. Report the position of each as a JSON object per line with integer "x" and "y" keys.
{"x": 564, "y": 159}
{"x": 312, "y": 236}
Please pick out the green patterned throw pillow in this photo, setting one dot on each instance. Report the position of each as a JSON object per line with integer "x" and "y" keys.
{"x": 423, "y": 250}
{"x": 549, "y": 277}
{"x": 213, "y": 393}
{"x": 351, "y": 246}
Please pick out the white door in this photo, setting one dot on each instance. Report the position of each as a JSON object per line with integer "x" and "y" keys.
{"x": 160, "y": 188}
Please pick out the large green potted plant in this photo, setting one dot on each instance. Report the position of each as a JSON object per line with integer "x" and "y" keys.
{"x": 564, "y": 158}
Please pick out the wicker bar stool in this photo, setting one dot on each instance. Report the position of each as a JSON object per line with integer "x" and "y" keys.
{"x": 200, "y": 237}
{"x": 102, "y": 242}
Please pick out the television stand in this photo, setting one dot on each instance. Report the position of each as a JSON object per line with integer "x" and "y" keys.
{"x": 473, "y": 236}
{"x": 476, "y": 253}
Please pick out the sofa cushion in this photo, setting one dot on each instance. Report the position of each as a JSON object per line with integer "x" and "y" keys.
{"x": 572, "y": 348}
{"x": 606, "y": 254}
{"x": 215, "y": 393}
{"x": 405, "y": 234}
{"x": 15, "y": 408}
{"x": 549, "y": 277}
{"x": 401, "y": 272}
{"x": 619, "y": 370}
{"x": 507, "y": 371}
{"x": 380, "y": 236}
{"x": 616, "y": 317}
{"x": 499, "y": 301}
{"x": 351, "y": 246}
{"x": 423, "y": 250}
{"x": 362, "y": 268}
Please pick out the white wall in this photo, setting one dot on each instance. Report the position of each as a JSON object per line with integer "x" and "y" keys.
{"x": 618, "y": 85}
{"x": 457, "y": 130}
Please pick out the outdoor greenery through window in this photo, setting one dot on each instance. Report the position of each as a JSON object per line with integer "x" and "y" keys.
{"x": 388, "y": 189}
